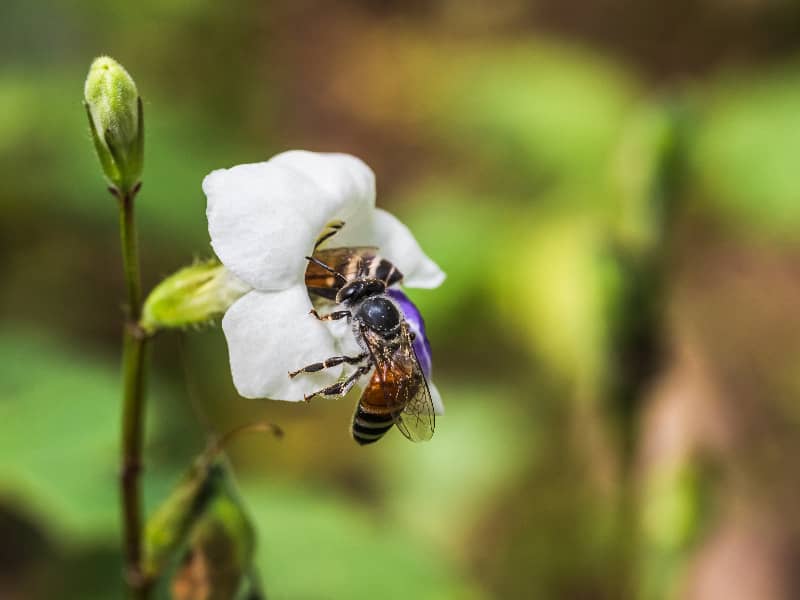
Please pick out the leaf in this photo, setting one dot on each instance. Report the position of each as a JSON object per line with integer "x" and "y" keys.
{"x": 315, "y": 545}
{"x": 559, "y": 294}
{"x": 747, "y": 149}
{"x": 526, "y": 106}
{"x": 60, "y": 410}
{"x": 487, "y": 439}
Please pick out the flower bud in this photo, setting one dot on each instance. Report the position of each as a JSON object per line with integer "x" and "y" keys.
{"x": 116, "y": 122}
{"x": 219, "y": 558}
{"x": 168, "y": 528}
{"x": 192, "y": 296}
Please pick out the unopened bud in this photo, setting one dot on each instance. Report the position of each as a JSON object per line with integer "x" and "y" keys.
{"x": 219, "y": 560}
{"x": 116, "y": 122}
{"x": 192, "y": 296}
{"x": 168, "y": 528}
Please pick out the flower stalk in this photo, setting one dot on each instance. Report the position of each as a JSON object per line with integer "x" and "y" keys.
{"x": 116, "y": 123}
{"x": 133, "y": 408}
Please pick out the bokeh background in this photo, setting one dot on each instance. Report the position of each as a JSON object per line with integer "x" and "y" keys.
{"x": 614, "y": 191}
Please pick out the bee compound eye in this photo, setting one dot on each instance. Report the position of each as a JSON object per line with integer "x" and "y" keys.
{"x": 347, "y": 292}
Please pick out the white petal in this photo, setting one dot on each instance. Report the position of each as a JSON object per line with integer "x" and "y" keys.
{"x": 270, "y": 334}
{"x": 396, "y": 243}
{"x": 341, "y": 175}
{"x": 438, "y": 405}
{"x": 265, "y": 217}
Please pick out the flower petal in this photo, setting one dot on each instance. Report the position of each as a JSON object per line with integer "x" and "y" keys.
{"x": 422, "y": 347}
{"x": 264, "y": 218}
{"x": 341, "y": 175}
{"x": 270, "y": 334}
{"x": 438, "y": 405}
{"x": 396, "y": 243}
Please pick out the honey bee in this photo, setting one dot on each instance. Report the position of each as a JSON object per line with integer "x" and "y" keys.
{"x": 397, "y": 393}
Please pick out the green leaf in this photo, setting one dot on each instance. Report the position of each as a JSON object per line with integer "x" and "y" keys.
{"x": 315, "y": 545}
{"x": 60, "y": 407}
{"x": 487, "y": 439}
{"x": 676, "y": 508}
{"x": 747, "y": 149}
{"x": 559, "y": 292}
{"x": 541, "y": 110}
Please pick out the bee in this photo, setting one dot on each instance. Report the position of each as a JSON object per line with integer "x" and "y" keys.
{"x": 357, "y": 278}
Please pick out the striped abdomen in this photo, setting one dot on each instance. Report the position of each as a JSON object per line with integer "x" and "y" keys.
{"x": 369, "y": 427}
{"x": 378, "y": 409}
{"x": 385, "y": 271}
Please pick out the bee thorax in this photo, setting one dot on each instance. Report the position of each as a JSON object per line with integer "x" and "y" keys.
{"x": 379, "y": 314}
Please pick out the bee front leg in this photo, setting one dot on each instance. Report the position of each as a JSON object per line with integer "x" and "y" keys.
{"x": 342, "y": 387}
{"x": 328, "y": 363}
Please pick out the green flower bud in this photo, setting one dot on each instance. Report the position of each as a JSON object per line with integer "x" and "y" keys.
{"x": 116, "y": 122}
{"x": 192, "y": 296}
{"x": 218, "y": 563}
{"x": 168, "y": 528}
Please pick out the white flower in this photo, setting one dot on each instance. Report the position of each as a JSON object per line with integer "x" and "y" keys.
{"x": 264, "y": 219}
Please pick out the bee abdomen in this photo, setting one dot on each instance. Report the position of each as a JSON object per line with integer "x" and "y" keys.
{"x": 369, "y": 427}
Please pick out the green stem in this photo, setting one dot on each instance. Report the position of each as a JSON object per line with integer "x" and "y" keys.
{"x": 133, "y": 409}
{"x": 130, "y": 253}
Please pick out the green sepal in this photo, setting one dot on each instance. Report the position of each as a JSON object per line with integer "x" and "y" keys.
{"x": 192, "y": 296}
{"x": 218, "y": 561}
{"x": 106, "y": 160}
{"x": 167, "y": 530}
{"x": 117, "y": 122}
{"x": 136, "y": 158}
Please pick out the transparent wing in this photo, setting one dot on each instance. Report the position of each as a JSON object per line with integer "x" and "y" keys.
{"x": 398, "y": 385}
{"x": 391, "y": 366}
{"x": 417, "y": 420}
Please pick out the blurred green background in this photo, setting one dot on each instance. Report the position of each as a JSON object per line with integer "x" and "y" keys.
{"x": 614, "y": 191}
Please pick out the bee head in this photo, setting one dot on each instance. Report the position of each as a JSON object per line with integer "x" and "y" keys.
{"x": 360, "y": 289}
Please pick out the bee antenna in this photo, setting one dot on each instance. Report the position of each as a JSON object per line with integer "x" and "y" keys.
{"x": 333, "y": 272}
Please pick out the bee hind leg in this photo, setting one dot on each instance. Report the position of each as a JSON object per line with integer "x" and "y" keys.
{"x": 342, "y": 387}
{"x": 328, "y": 363}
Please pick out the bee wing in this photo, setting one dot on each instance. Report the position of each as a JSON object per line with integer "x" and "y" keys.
{"x": 391, "y": 368}
{"x": 417, "y": 421}
{"x": 399, "y": 383}
{"x": 350, "y": 262}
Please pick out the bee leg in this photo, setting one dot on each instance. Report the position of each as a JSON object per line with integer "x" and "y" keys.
{"x": 342, "y": 387}
{"x": 334, "y": 229}
{"x": 330, "y": 362}
{"x": 334, "y": 316}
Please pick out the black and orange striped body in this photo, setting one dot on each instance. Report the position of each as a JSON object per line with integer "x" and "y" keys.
{"x": 387, "y": 393}
{"x": 379, "y": 408}
{"x": 355, "y": 263}
{"x": 356, "y": 279}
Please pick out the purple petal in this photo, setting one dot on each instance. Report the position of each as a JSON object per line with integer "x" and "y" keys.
{"x": 421, "y": 344}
